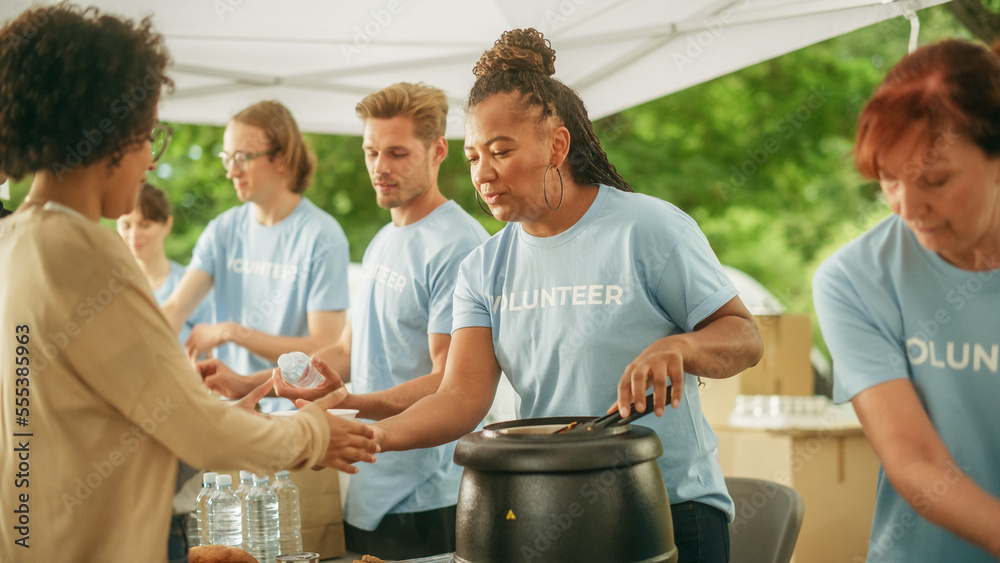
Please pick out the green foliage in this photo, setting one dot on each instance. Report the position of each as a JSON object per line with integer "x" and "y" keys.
{"x": 761, "y": 158}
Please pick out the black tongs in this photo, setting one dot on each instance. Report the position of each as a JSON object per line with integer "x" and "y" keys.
{"x": 612, "y": 419}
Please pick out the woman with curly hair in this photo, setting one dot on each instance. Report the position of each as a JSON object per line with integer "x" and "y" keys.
{"x": 102, "y": 401}
{"x": 589, "y": 297}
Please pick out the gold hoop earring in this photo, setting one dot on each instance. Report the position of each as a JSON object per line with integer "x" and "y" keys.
{"x": 480, "y": 203}
{"x": 545, "y": 194}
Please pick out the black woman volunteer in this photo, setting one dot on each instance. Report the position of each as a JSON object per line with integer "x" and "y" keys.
{"x": 590, "y": 295}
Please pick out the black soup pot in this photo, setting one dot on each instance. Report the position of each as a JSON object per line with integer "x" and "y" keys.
{"x": 531, "y": 496}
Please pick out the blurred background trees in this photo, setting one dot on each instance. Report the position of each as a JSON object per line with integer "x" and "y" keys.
{"x": 761, "y": 158}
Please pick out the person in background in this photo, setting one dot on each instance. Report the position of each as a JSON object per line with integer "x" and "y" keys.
{"x": 145, "y": 232}
{"x": 909, "y": 309}
{"x": 587, "y": 298}
{"x": 278, "y": 262}
{"x": 400, "y": 331}
{"x": 99, "y": 400}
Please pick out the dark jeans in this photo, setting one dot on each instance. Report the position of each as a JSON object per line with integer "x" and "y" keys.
{"x": 701, "y": 533}
{"x": 406, "y": 536}
{"x": 177, "y": 545}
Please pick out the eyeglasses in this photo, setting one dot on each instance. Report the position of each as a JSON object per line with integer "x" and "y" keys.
{"x": 159, "y": 140}
{"x": 239, "y": 159}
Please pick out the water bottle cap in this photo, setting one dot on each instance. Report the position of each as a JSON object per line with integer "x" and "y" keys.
{"x": 292, "y": 360}
{"x": 284, "y": 473}
{"x": 259, "y": 479}
{"x": 209, "y": 477}
{"x": 286, "y": 362}
{"x": 245, "y": 475}
{"x": 223, "y": 480}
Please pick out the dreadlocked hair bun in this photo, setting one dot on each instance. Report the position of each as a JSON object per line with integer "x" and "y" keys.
{"x": 518, "y": 49}
{"x": 522, "y": 62}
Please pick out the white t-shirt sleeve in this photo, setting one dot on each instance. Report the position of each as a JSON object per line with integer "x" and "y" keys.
{"x": 864, "y": 355}
{"x": 692, "y": 284}
{"x": 328, "y": 289}
{"x": 471, "y": 307}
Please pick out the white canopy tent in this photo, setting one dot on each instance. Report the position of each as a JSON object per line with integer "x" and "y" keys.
{"x": 320, "y": 57}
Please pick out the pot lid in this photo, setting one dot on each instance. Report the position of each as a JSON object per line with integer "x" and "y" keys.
{"x": 528, "y": 446}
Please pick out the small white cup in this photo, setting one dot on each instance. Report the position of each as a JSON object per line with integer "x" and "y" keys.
{"x": 284, "y": 413}
{"x": 349, "y": 414}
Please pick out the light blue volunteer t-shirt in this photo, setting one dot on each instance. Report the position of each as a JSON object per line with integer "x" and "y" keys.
{"x": 406, "y": 292}
{"x": 891, "y": 309}
{"x": 571, "y": 311}
{"x": 202, "y": 314}
{"x": 269, "y": 278}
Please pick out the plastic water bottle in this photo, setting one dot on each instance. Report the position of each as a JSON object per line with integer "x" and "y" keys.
{"x": 261, "y": 521}
{"x": 225, "y": 514}
{"x": 297, "y": 370}
{"x": 200, "y": 516}
{"x": 246, "y": 483}
{"x": 289, "y": 519}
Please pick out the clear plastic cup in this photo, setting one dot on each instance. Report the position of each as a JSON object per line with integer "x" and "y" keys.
{"x": 349, "y": 414}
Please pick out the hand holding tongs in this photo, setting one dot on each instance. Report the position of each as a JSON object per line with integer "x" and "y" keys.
{"x": 612, "y": 419}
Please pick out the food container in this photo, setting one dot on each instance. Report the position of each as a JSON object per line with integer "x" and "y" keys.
{"x": 528, "y": 495}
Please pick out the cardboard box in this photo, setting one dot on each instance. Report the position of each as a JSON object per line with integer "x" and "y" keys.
{"x": 320, "y": 509}
{"x": 322, "y": 516}
{"x": 834, "y": 470}
{"x": 783, "y": 370}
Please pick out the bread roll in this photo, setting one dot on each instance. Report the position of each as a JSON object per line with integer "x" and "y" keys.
{"x": 219, "y": 554}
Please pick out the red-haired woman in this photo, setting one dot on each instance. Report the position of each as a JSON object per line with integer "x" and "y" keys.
{"x": 910, "y": 309}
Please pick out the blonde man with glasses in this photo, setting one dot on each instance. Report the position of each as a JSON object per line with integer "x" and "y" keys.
{"x": 278, "y": 262}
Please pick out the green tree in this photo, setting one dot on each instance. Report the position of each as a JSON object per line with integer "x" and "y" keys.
{"x": 761, "y": 158}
